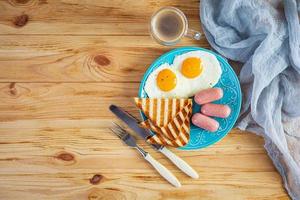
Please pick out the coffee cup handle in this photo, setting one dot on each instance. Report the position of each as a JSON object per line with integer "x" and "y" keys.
{"x": 193, "y": 34}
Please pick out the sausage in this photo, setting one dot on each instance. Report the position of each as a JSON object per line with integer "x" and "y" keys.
{"x": 205, "y": 122}
{"x": 216, "y": 110}
{"x": 208, "y": 95}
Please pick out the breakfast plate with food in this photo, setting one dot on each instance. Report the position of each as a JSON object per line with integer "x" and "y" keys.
{"x": 189, "y": 98}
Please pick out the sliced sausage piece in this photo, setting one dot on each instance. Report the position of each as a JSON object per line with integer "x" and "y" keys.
{"x": 216, "y": 110}
{"x": 208, "y": 95}
{"x": 205, "y": 122}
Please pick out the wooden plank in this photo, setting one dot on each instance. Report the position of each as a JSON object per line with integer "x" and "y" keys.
{"x": 66, "y": 159}
{"x": 62, "y": 63}
{"x": 43, "y": 147}
{"x": 69, "y": 186}
{"x": 75, "y": 17}
{"x": 55, "y": 135}
{"x": 79, "y": 58}
{"x": 63, "y": 100}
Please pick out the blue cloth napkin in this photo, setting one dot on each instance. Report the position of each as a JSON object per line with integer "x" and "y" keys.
{"x": 264, "y": 35}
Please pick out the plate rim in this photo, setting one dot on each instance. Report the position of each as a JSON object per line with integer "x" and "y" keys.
{"x": 192, "y": 48}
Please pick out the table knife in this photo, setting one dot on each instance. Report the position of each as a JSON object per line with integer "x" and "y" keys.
{"x": 133, "y": 123}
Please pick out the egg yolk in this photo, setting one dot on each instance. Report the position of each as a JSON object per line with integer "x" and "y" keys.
{"x": 191, "y": 67}
{"x": 166, "y": 80}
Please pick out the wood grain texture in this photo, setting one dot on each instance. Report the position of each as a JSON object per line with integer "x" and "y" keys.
{"x": 242, "y": 170}
{"x": 75, "y": 17}
{"x": 79, "y": 58}
{"x": 62, "y": 63}
{"x": 29, "y": 101}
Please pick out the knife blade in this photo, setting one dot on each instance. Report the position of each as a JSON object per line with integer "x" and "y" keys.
{"x": 133, "y": 123}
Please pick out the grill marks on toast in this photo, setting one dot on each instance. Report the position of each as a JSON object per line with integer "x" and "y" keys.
{"x": 161, "y": 111}
{"x": 168, "y": 118}
{"x": 175, "y": 134}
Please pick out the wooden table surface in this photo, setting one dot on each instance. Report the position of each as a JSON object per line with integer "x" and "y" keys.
{"x": 62, "y": 63}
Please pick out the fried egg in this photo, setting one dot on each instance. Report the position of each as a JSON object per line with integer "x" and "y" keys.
{"x": 189, "y": 73}
{"x": 200, "y": 70}
{"x": 163, "y": 82}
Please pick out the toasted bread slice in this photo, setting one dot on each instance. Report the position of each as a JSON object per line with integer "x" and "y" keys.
{"x": 161, "y": 111}
{"x": 171, "y": 130}
{"x": 176, "y": 133}
{"x": 180, "y": 141}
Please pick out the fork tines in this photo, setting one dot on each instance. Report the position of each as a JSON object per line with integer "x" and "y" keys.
{"x": 118, "y": 130}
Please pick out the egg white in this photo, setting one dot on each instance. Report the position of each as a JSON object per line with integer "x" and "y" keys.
{"x": 207, "y": 79}
{"x": 153, "y": 91}
{"x": 186, "y": 87}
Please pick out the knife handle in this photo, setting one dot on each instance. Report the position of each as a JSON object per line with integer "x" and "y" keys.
{"x": 164, "y": 172}
{"x": 181, "y": 164}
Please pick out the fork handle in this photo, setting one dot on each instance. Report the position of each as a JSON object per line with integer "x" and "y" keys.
{"x": 164, "y": 172}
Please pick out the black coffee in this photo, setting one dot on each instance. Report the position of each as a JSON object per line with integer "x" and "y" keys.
{"x": 168, "y": 25}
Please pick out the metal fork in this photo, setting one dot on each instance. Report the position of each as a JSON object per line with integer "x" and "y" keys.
{"x": 127, "y": 138}
{"x": 130, "y": 141}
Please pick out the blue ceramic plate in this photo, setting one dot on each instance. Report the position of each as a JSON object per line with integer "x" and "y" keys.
{"x": 200, "y": 138}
